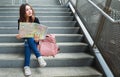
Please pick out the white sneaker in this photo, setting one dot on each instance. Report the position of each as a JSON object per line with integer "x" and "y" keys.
{"x": 27, "y": 70}
{"x": 42, "y": 62}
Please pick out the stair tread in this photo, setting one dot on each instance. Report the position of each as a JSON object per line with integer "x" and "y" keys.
{"x": 34, "y": 5}
{"x": 16, "y": 13}
{"x": 38, "y": 16}
{"x": 51, "y": 72}
{"x": 62, "y": 43}
{"x": 17, "y": 8}
{"x": 41, "y": 21}
{"x": 41, "y": 12}
{"x": 58, "y": 56}
{"x": 13, "y": 35}
{"x": 48, "y": 27}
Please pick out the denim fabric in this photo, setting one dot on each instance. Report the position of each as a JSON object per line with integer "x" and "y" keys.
{"x": 30, "y": 45}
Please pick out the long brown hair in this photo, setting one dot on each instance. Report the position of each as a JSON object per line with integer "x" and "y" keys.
{"x": 22, "y": 12}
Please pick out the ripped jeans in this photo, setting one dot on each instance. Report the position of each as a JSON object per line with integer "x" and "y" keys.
{"x": 30, "y": 45}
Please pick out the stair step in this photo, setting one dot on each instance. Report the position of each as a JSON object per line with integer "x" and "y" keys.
{"x": 52, "y": 72}
{"x": 44, "y": 2}
{"x": 42, "y": 18}
{"x": 65, "y": 47}
{"x": 51, "y": 11}
{"x": 9, "y": 38}
{"x": 47, "y": 23}
{"x": 39, "y": 14}
{"x": 52, "y": 30}
{"x": 60, "y": 60}
{"x": 32, "y": 2}
{"x": 34, "y": 6}
{"x": 38, "y": 10}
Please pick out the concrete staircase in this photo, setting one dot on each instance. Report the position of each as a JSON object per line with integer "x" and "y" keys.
{"x": 73, "y": 59}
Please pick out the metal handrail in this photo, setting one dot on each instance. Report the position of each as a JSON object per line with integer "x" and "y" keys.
{"x": 103, "y": 13}
{"x": 98, "y": 55}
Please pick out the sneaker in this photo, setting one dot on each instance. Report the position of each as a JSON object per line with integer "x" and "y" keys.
{"x": 42, "y": 62}
{"x": 27, "y": 70}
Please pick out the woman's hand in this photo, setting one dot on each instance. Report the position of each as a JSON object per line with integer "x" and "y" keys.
{"x": 36, "y": 38}
{"x": 18, "y": 36}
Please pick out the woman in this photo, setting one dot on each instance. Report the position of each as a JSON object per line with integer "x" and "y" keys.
{"x": 27, "y": 15}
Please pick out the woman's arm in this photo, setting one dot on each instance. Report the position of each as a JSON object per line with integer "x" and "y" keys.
{"x": 18, "y": 36}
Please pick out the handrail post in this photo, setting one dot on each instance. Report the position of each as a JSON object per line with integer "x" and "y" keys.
{"x": 102, "y": 21}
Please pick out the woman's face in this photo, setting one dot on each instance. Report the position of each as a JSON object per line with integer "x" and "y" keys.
{"x": 28, "y": 11}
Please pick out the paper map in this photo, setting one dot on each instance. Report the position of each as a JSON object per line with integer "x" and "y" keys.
{"x": 28, "y": 30}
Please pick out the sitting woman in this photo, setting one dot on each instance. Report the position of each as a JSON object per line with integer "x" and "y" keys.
{"x": 27, "y": 15}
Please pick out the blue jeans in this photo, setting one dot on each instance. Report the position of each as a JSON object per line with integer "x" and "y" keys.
{"x": 30, "y": 45}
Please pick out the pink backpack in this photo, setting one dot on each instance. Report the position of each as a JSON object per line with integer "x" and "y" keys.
{"x": 48, "y": 46}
